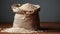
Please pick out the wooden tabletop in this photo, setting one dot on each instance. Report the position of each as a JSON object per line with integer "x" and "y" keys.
{"x": 2, "y": 26}
{"x": 32, "y": 33}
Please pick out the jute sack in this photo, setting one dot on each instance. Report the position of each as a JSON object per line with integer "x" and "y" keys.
{"x": 27, "y": 17}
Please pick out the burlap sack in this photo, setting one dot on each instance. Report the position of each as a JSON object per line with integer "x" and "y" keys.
{"x": 27, "y": 19}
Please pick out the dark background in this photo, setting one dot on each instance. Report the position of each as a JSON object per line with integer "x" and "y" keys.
{"x": 50, "y": 10}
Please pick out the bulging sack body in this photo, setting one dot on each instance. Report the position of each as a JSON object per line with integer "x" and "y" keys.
{"x": 27, "y": 21}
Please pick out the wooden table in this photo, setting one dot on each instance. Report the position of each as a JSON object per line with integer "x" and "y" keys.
{"x": 32, "y": 33}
